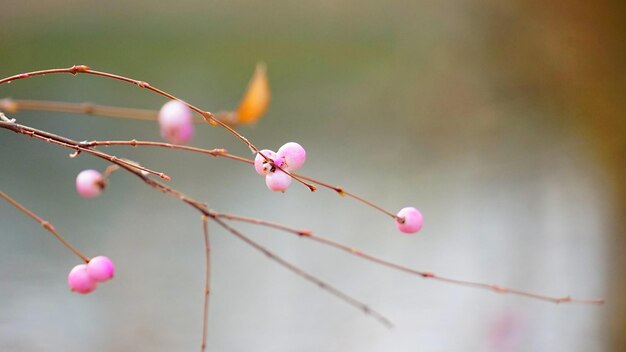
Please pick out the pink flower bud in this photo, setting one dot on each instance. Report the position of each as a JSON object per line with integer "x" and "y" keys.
{"x": 80, "y": 281}
{"x": 409, "y": 220}
{"x": 89, "y": 183}
{"x": 176, "y": 122}
{"x": 100, "y": 268}
{"x": 294, "y": 155}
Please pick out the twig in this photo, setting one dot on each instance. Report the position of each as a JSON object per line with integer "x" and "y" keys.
{"x": 223, "y": 153}
{"x": 136, "y": 143}
{"x": 425, "y": 274}
{"x": 11, "y": 105}
{"x": 207, "y": 281}
{"x": 52, "y": 138}
{"x": 46, "y": 225}
{"x": 296, "y": 270}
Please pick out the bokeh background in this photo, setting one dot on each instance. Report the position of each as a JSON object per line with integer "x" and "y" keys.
{"x": 502, "y": 121}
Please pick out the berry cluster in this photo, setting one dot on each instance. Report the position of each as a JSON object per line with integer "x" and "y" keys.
{"x": 275, "y": 166}
{"x": 84, "y": 278}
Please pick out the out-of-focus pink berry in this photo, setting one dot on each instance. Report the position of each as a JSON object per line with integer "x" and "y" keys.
{"x": 409, "y": 220}
{"x": 294, "y": 155}
{"x": 89, "y": 183}
{"x": 261, "y": 165}
{"x": 176, "y": 122}
{"x": 80, "y": 281}
{"x": 277, "y": 181}
{"x": 100, "y": 268}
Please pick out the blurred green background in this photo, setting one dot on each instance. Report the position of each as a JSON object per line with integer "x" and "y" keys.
{"x": 502, "y": 121}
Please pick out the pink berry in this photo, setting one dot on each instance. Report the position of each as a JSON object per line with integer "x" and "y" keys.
{"x": 89, "y": 183}
{"x": 409, "y": 220}
{"x": 100, "y": 268}
{"x": 277, "y": 181}
{"x": 261, "y": 165}
{"x": 176, "y": 122}
{"x": 80, "y": 281}
{"x": 294, "y": 155}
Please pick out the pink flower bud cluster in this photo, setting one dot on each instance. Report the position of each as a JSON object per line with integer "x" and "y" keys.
{"x": 84, "y": 278}
{"x": 291, "y": 156}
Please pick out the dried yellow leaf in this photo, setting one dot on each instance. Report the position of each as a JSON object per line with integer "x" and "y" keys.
{"x": 257, "y": 97}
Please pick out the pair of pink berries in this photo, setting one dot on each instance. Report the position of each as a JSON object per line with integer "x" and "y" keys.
{"x": 291, "y": 156}
{"x": 84, "y": 278}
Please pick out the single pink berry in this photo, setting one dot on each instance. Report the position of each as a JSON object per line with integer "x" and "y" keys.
{"x": 294, "y": 155}
{"x": 176, "y": 122}
{"x": 409, "y": 220}
{"x": 89, "y": 183}
{"x": 261, "y": 165}
{"x": 100, "y": 268}
{"x": 277, "y": 181}
{"x": 80, "y": 281}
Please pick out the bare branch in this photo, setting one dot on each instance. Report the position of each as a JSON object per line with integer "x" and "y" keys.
{"x": 207, "y": 282}
{"x": 46, "y": 225}
{"x": 424, "y": 274}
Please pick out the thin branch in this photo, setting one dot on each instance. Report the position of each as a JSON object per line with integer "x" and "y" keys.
{"x": 223, "y": 153}
{"x": 46, "y": 225}
{"x": 14, "y": 105}
{"x": 11, "y": 105}
{"x": 207, "y": 282}
{"x": 51, "y": 138}
{"x": 425, "y": 274}
{"x": 298, "y": 271}
{"x": 136, "y": 143}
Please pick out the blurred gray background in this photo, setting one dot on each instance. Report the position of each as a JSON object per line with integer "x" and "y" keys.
{"x": 502, "y": 121}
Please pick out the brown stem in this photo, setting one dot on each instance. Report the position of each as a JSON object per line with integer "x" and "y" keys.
{"x": 207, "y": 281}
{"x": 223, "y": 154}
{"x": 15, "y": 105}
{"x": 76, "y": 69}
{"x": 136, "y": 143}
{"x": 10, "y": 105}
{"x": 424, "y": 274}
{"x": 46, "y": 225}
{"x": 52, "y": 138}
{"x": 296, "y": 270}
